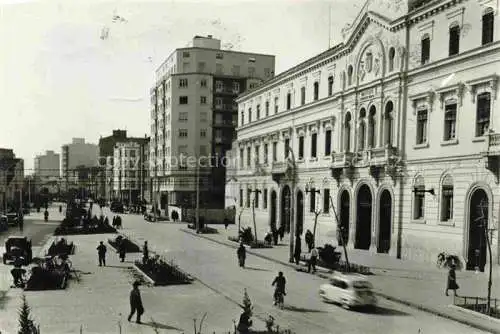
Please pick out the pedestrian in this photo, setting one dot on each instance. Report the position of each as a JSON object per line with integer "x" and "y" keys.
{"x": 452, "y": 281}
{"x": 242, "y": 254}
{"x": 226, "y": 223}
{"x": 114, "y": 221}
{"x": 275, "y": 236}
{"x": 312, "y": 260}
{"x": 309, "y": 240}
{"x": 101, "y": 252}
{"x": 281, "y": 232}
{"x": 121, "y": 250}
{"x": 298, "y": 250}
{"x": 145, "y": 252}
{"x": 136, "y": 303}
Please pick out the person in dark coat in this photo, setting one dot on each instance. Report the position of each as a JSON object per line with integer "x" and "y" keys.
{"x": 114, "y": 221}
{"x": 298, "y": 250}
{"x": 242, "y": 254}
{"x": 452, "y": 281}
{"x": 275, "y": 236}
{"x": 136, "y": 303}
{"x": 309, "y": 240}
{"x": 101, "y": 252}
{"x": 281, "y": 232}
{"x": 122, "y": 251}
{"x": 145, "y": 252}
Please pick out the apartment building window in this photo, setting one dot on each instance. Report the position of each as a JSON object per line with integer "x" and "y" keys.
{"x": 330, "y": 85}
{"x": 219, "y": 69}
{"x": 186, "y": 67}
{"x": 326, "y": 200}
{"x": 201, "y": 66}
{"x": 235, "y": 70}
{"x": 218, "y": 103}
{"x": 183, "y": 83}
{"x": 450, "y": 121}
{"x": 347, "y": 132}
{"x": 242, "y": 153}
{"x": 241, "y": 198}
{"x": 258, "y": 111}
{"x": 219, "y": 55}
{"x": 183, "y": 117}
{"x": 203, "y": 83}
{"x": 251, "y": 71}
{"x": 275, "y": 151}
{"x": 362, "y": 130}
{"x": 483, "y": 114}
{"x": 286, "y": 147}
{"x": 301, "y": 147}
{"x": 203, "y": 133}
{"x": 257, "y": 151}
{"x": 388, "y": 120}
{"x": 242, "y": 118}
{"x": 183, "y": 133}
{"x": 219, "y": 86}
{"x": 349, "y": 75}
{"x": 249, "y": 157}
{"x": 183, "y": 100}
{"x": 328, "y": 142}
{"x": 256, "y": 199}
{"x": 276, "y": 101}
{"x": 203, "y": 116}
{"x": 488, "y": 25}
{"x": 419, "y": 199}
{"x": 316, "y": 91}
{"x": 185, "y": 54}
{"x": 288, "y": 101}
{"x": 447, "y": 199}
{"x": 312, "y": 200}
{"x": 203, "y": 100}
{"x": 267, "y": 108}
{"x": 314, "y": 142}
{"x": 249, "y": 115}
{"x": 249, "y": 194}
{"x": 264, "y": 198}
{"x": 236, "y": 87}
{"x": 266, "y": 153}
{"x": 421, "y": 126}
{"x": 425, "y": 51}
{"x": 392, "y": 55}
{"x": 454, "y": 42}
{"x": 302, "y": 96}
{"x": 371, "y": 127}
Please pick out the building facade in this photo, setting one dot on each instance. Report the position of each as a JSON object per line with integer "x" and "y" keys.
{"x": 47, "y": 165}
{"x": 193, "y": 117}
{"x": 388, "y": 139}
{"x": 11, "y": 180}
{"x": 74, "y": 157}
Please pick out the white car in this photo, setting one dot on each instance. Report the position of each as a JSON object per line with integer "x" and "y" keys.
{"x": 348, "y": 290}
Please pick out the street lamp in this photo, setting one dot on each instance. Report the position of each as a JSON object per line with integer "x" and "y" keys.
{"x": 292, "y": 222}
{"x": 256, "y": 192}
{"x": 311, "y": 190}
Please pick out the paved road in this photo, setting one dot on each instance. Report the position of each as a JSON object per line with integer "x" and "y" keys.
{"x": 37, "y": 230}
{"x": 216, "y": 266}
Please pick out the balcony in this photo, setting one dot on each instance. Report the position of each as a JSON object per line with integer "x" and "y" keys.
{"x": 224, "y": 123}
{"x": 491, "y": 155}
{"x": 381, "y": 156}
{"x": 342, "y": 160}
{"x": 281, "y": 170}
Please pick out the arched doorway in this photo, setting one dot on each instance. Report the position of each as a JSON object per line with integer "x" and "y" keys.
{"x": 364, "y": 218}
{"x": 300, "y": 213}
{"x": 273, "y": 211}
{"x": 345, "y": 206}
{"x": 384, "y": 222}
{"x": 285, "y": 208}
{"x": 478, "y": 222}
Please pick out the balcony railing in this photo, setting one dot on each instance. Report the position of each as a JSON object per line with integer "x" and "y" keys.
{"x": 493, "y": 142}
{"x": 381, "y": 155}
{"x": 342, "y": 159}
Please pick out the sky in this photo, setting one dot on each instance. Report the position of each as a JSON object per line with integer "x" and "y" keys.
{"x": 59, "y": 79}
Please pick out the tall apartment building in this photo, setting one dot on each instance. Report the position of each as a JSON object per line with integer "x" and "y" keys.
{"x": 11, "y": 180}
{"x": 396, "y": 126}
{"x": 77, "y": 154}
{"x": 130, "y": 171}
{"x": 107, "y": 146}
{"x": 194, "y": 114}
{"x": 47, "y": 165}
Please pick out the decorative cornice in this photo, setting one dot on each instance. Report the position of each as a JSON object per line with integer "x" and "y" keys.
{"x": 456, "y": 89}
{"x": 491, "y": 81}
{"x": 428, "y": 97}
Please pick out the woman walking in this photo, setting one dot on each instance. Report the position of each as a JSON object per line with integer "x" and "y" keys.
{"x": 452, "y": 281}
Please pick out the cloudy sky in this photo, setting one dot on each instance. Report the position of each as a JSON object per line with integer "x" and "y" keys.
{"x": 60, "y": 80}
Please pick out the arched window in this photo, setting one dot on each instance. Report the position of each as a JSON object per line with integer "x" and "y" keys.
{"x": 347, "y": 132}
{"x": 388, "y": 119}
{"x": 419, "y": 198}
{"x": 454, "y": 41}
{"x": 392, "y": 55}
{"x": 488, "y": 25}
{"x": 371, "y": 127}
{"x": 362, "y": 129}
{"x": 349, "y": 75}
{"x": 447, "y": 199}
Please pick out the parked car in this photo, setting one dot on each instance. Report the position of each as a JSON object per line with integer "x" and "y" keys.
{"x": 117, "y": 207}
{"x": 12, "y": 218}
{"x": 18, "y": 248}
{"x": 348, "y": 290}
{"x": 4, "y": 225}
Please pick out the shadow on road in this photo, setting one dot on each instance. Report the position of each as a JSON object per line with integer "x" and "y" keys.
{"x": 257, "y": 269}
{"x": 380, "y": 310}
{"x": 301, "y": 309}
{"x": 157, "y": 325}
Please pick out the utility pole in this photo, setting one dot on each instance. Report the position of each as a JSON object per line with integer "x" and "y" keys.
{"x": 341, "y": 234}
{"x": 197, "y": 177}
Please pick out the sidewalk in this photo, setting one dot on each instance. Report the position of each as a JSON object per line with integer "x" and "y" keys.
{"x": 411, "y": 283}
{"x": 99, "y": 302}
{"x": 54, "y": 214}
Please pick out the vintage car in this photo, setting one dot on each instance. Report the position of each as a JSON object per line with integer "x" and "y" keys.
{"x": 4, "y": 225}
{"x": 61, "y": 247}
{"x": 12, "y": 218}
{"x": 348, "y": 290}
{"x": 49, "y": 273}
{"x": 18, "y": 249}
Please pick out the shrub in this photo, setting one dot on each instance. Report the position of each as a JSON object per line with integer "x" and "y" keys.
{"x": 328, "y": 255}
{"x": 246, "y": 235}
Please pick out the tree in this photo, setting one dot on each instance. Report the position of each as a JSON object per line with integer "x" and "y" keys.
{"x": 484, "y": 225}
{"x": 26, "y": 324}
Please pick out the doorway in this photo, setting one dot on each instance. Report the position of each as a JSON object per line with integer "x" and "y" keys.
{"x": 343, "y": 234}
{"x": 478, "y": 222}
{"x": 364, "y": 218}
{"x": 385, "y": 222}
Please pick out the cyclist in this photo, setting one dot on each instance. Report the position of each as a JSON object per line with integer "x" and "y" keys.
{"x": 279, "y": 291}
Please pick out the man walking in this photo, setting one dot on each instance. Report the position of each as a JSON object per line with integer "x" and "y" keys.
{"x": 313, "y": 259}
{"x": 145, "y": 253}
{"x": 136, "y": 303}
{"x": 242, "y": 254}
{"x": 101, "y": 252}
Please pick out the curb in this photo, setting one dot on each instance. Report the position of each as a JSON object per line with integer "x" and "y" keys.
{"x": 391, "y": 298}
{"x": 146, "y": 277}
{"x": 46, "y": 246}
{"x": 476, "y": 314}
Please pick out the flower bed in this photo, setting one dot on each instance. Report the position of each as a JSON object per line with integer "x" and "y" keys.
{"x": 130, "y": 247}
{"x": 204, "y": 229}
{"x": 163, "y": 273}
{"x": 71, "y": 228}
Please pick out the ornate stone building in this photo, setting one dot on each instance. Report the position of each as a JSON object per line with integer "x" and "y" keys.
{"x": 395, "y": 127}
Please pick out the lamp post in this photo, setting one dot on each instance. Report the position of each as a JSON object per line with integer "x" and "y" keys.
{"x": 256, "y": 192}
{"x": 341, "y": 234}
{"x": 292, "y": 222}
{"x": 310, "y": 190}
